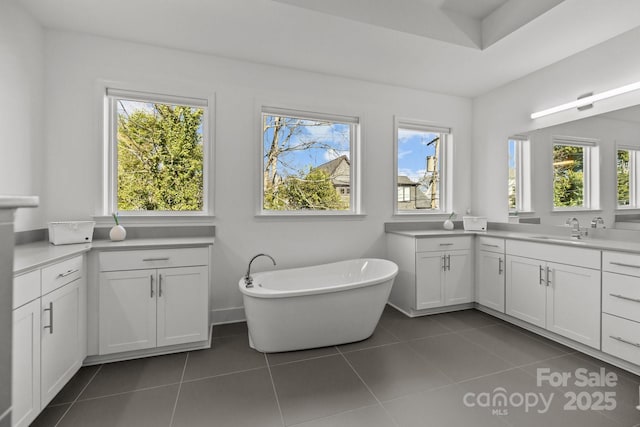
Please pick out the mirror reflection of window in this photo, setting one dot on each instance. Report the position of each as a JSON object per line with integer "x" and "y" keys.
{"x": 519, "y": 181}
{"x": 627, "y": 177}
{"x": 575, "y": 173}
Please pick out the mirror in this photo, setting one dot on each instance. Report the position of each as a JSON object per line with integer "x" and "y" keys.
{"x": 575, "y": 168}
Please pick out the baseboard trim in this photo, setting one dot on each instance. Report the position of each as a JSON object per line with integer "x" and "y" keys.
{"x": 227, "y": 315}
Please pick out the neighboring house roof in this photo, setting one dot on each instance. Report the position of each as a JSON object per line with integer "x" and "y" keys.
{"x": 332, "y": 165}
{"x": 404, "y": 180}
{"x": 338, "y": 170}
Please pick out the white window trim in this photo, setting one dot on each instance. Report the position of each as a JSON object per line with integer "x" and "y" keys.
{"x": 196, "y": 98}
{"x": 355, "y": 149}
{"x": 634, "y": 176}
{"x": 523, "y": 174}
{"x": 591, "y": 173}
{"x": 446, "y": 166}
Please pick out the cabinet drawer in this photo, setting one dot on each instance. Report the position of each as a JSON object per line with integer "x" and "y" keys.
{"x": 26, "y": 287}
{"x": 581, "y": 257}
{"x": 621, "y": 262}
{"x": 491, "y": 244}
{"x": 153, "y": 258}
{"x": 443, "y": 244}
{"x": 621, "y": 295}
{"x": 621, "y": 338}
{"x": 61, "y": 273}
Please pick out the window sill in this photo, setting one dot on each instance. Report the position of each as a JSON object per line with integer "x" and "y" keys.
{"x": 154, "y": 220}
{"x": 575, "y": 210}
{"x": 313, "y": 216}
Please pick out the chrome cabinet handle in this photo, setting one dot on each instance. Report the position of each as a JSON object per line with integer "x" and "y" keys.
{"x": 68, "y": 272}
{"x": 500, "y": 267}
{"x": 444, "y": 263}
{"x": 446, "y": 244}
{"x": 622, "y": 264}
{"x": 50, "y": 310}
{"x": 449, "y": 262}
{"x": 156, "y": 259}
{"x": 491, "y": 246}
{"x": 151, "y": 284}
{"x": 160, "y": 285}
{"x": 624, "y": 341}
{"x": 625, "y": 298}
{"x": 540, "y": 279}
{"x": 548, "y": 274}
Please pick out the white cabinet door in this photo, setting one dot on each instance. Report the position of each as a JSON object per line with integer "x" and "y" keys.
{"x": 490, "y": 280}
{"x": 25, "y": 381}
{"x": 526, "y": 290}
{"x": 61, "y": 355}
{"x": 458, "y": 282}
{"x": 573, "y": 303}
{"x": 127, "y": 311}
{"x": 429, "y": 280}
{"x": 183, "y": 295}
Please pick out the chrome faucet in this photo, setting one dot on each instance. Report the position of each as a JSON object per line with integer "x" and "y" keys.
{"x": 248, "y": 280}
{"x": 597, "y": 221}
{"x": 575, "y": 228}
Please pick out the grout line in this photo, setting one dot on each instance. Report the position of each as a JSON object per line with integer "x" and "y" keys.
{"x": 302, "y": 360}
{"x": 335, "y": 415}
{"x": 222, "y": 375}
{"x": 79, "y": 394}
{"x": 175, "y": 405}
{"x": 370, "y": 391}
{"x": 128, "y": 392}
{"x": 275, "y": 393}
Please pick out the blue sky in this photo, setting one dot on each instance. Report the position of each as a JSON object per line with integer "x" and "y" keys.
{"x": 413, "y": 151}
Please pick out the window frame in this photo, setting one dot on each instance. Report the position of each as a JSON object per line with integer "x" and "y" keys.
{"x": 445, "y": 186}
{"x": 591, "y": 172}
{"x": 634, "y": 176}
{"x": 355, "y": 182}
{"x": 522, "y": 157}
{"x": 111, "y": 94}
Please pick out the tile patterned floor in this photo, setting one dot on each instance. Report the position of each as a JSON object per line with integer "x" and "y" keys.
{"x": 442, "y": 370}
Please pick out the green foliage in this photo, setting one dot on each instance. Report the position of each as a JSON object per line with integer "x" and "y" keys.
{"x": 623, "y": 177}
{"x": 313, "y": 191}
{"x": 568, "y": 176}
{"x": 160, "y": 159}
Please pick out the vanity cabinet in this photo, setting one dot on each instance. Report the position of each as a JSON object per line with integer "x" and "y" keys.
{"x": 562, "y": 296}
{"x": 152, "y": 298}
{"x": 48, "y": 336}
{"x": 433, "y": 272}
{"x": 621, "y": 305}
{"x": 490, "y": 272}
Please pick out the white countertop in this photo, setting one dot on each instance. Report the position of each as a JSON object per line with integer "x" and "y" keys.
{"x": 12, "y": 202}
{"x": 586, "y": 242}
{"x": 34, "y": 255}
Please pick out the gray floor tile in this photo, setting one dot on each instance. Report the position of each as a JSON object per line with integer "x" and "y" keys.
{"x": 408, "y": 328}
{"x": 75, "y": 386}
{"x": 380, "y": 337}
{"x": 566, "y": 363}
{"x": 50, "y": 416}
{"x": 120, "y": 377}
{"x": 371, "y": 416}
{"x": 234, "y": 400}
{"x": 466, "y": 319}
{"x": 226, "y": 355}
{"x": 238, "y": 328}
{"x": 152, "y": 408}
{"x": 395, "y": 370}
{"x": 459, "y": 358}
{"x": 318, "y": 388}
{"x": 295, "y": 356}
{"x": 511, "y": 345}
{"x": 443, "y": 407}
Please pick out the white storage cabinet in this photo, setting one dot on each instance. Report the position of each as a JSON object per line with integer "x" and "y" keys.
{"x": 562, "y": 296}
{"x": 490, "y": 272}
{"x": 152, "y": 298}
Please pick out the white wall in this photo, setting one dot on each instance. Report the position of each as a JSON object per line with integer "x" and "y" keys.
{"x": 77, "y": 64}
{"x": 21, "y": 109}
{"x": 506, "y": 111}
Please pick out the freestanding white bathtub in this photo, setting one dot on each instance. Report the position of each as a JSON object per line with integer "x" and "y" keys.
{"x": 316, "y": 306}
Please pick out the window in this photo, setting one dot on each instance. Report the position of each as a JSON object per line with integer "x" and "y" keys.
{"x": 309, "y": 163}
{"x": 158, "y": 150}
{"x": 519, "y": 181}
{"x": 628, "y": 188}
{"x": 422, "y": 167}
{"x": 575, "y": 174}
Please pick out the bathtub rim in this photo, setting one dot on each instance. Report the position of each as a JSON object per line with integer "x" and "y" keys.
{"x": 259, "y": 292}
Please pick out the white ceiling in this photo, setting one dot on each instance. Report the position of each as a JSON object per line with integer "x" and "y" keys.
{"x": 460, "y": 47}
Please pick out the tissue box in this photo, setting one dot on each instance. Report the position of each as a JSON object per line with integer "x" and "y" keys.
{"x": 474, "y": 223}
{"x": 67, "y": 232}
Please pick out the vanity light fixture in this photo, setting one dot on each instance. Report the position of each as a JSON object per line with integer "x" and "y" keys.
{"x": 587, "y": 100}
